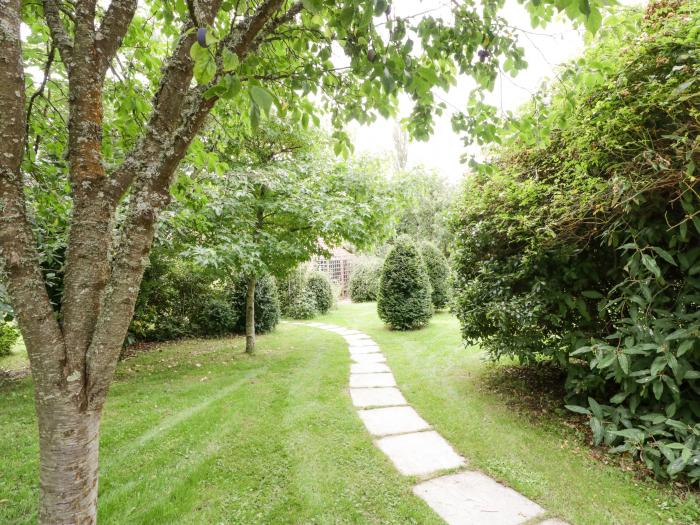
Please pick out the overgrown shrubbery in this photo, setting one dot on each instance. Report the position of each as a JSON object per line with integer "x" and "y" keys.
{"x": 267, "y": 304}
{"x": 364, "y": 280}
{"x": 438, "y": 273}
{"x": 8, "y": 337}
{"x": 404, "y": 298}
{"x": 321, "y": 288}
{"x": 580, "y": 242}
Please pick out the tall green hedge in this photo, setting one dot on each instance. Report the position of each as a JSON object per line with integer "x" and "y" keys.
{"x": 580, "y": 241}
{"x": 438, "y": 273}
{"x": 404, "y": 298}
{"x": 364, "y": 280}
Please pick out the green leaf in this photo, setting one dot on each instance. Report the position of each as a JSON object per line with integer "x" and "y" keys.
{"x": 578, "y": 409}
{"x": 665, "y": 255}
{"x": 262, "y": 98}
{"x": 313, "y": 6}
{"x": 633, "y": 434}
{"x": 650, "y": 264}
{"x": 624, "y": 362}
{"x": 592, "y": 294}
{"x": 594, "y": 20}
{"x": 230, "y": 60}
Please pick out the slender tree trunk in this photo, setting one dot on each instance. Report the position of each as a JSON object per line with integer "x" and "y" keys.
{"x": 68, "y": 446}
{"x": 250, "y": 316}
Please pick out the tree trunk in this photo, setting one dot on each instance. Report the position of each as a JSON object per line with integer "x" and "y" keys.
{"x": 68, "y": 446}
{"x": 250, "y": 317}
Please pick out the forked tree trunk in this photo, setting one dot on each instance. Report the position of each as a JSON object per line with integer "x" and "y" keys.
{"x": 250, "y": 316}
{"x": 68, "y": 446}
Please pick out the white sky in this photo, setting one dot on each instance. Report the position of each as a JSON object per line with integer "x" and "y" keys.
{"x": 544, "y": 50}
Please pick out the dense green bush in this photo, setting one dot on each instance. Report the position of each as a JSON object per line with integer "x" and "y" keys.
{"x": 297, "y": 301}
{"x": 438, "y": 273}
{"x": 267, "y": 305}
{"x": 179, "y": 299}
{"x": 364, "y": 280}
{"x": 404, "y": 298}
{"x": 321, "y": 288}
{"x": 580, "y": 242}
{"x": 8, "y": 337}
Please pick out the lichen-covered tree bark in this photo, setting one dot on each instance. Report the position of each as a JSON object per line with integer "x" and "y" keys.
{"x": 73, "y": 357}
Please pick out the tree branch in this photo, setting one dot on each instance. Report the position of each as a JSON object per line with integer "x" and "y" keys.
{"x": 152, "y": 168}
{"x": 114, "y": 26}
{"x": 59, "y": 34}
{"x": 19, "y": 260}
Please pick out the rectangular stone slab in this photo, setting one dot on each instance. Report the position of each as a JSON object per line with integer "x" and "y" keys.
{"x": 376, "y": 397}
{"x": 392, "y": 420}
{"x": 369, "y": 368}
{"x": 363, "y": 349}
{"x": 376, "y": 357}
{"x": 372, "y": 380}
{"x": 472, "y": 497}
{"x": 420, "y": 453}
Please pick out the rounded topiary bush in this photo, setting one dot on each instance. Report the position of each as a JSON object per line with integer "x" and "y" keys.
{"x": 267, "y": 304}
{"x": 8, "y": 337}
{"x": 320, "y": 286}
{"x": 404, "y": 298}
{"x": 438, "y": 273}
{"x": 364, "y": 281}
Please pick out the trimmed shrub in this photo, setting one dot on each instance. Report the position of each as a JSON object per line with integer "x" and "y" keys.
{"x": 364, "y": 281}
{"x": 403, "y": 301}
{"x": 320, "y": 286}
{"x": 267, "y": 304}
{"x": 438, "y": 273}
{"x": 291, "y": 288}
{"x": 303, "y": 305}
{"x": 8, "y": 337}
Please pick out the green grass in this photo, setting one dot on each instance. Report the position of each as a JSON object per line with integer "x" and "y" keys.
{"x": 17, "y": 359}
{"x": 541, "y": 457}
{"x": 197, "y": 432}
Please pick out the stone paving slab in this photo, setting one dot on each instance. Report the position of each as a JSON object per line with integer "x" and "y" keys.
{"x": 552, "y": 521}
{"x": 376, "y": 397}
{"x": 368, "y": 368}
{"x": 360, "y": 344}
{"x": 376, "y": 357}
{"x": 468, "y": 498}
{"x": 420, "y": 453}
{"x": 363, "y": 349}
{"x": 392, "y": 420}
{"x": 372, "y": 380}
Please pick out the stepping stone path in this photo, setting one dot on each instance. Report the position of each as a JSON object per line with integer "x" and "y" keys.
{"x": 459, "y": 496}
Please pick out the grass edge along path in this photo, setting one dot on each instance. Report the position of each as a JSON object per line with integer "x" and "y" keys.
{"x": 459, "y": 495}
{"x": 545, "y": 461}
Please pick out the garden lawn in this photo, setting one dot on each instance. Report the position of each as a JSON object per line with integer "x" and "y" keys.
{"x": 198, "y": 432}
{"x": 540, "y": 457}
